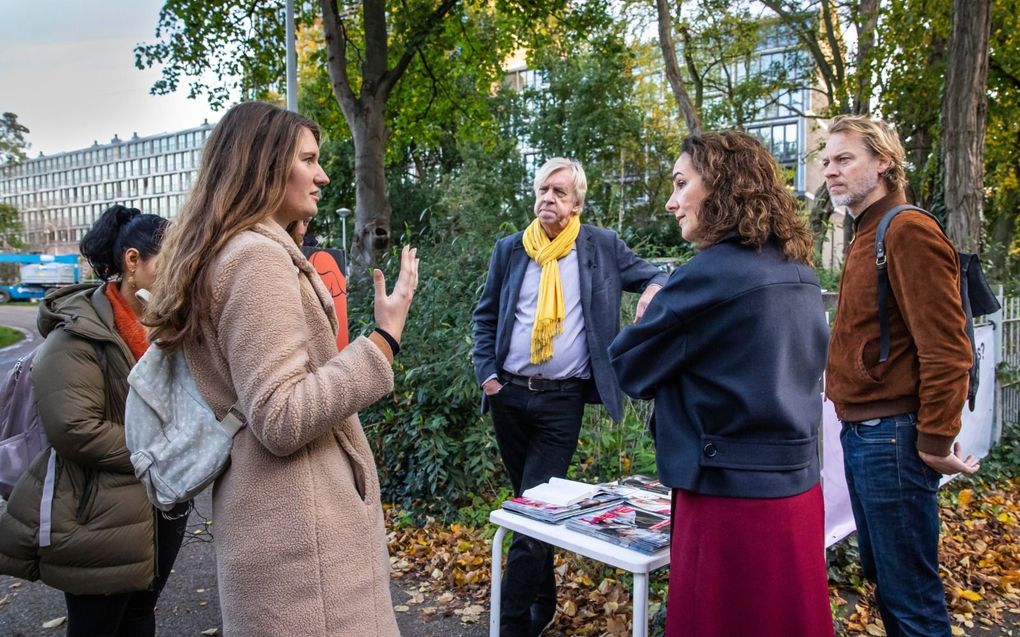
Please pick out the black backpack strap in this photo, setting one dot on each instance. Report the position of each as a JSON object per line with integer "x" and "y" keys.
{"x": 883, "y": 274}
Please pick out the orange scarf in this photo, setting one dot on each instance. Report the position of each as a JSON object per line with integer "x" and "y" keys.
{"x": 127, "y": 324}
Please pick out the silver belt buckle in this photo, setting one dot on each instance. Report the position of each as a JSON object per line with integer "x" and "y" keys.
{"x": 530, "y": 388}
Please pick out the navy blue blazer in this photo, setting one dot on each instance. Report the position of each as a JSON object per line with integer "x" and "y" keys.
{"x": 732, "y": 350}
{"x": 606, "y": 267}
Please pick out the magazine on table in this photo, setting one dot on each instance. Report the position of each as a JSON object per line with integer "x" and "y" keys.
{"x": 553, "y": 513}
{"x": 645, "y": 483}
{"x": 625, "y": 526}
{"x": 643, "y": 493}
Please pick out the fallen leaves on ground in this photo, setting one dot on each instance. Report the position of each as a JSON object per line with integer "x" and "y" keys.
{"x": 449, "y": 568}
{"x": 445, "y": 571}
{"x": 980, "y": 563}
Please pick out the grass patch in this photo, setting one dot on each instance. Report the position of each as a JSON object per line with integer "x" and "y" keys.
{"x": 9, "y": 336}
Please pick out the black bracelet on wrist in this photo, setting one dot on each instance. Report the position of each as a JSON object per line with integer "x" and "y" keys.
{"x": 392, "y": 342}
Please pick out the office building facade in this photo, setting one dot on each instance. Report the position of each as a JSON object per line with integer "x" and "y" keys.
{"x": 60, "y": 196}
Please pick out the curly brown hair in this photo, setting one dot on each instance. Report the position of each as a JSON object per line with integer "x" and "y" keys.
{"x": 746, "y": 193}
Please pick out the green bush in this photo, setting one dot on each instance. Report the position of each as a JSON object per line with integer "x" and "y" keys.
{"x": 433, "y": 447}
{"x": 829, "y": 278}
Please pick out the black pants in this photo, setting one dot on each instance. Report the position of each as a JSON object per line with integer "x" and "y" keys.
{"x": 130, "y": 614}
{"x": 537, "y": 436}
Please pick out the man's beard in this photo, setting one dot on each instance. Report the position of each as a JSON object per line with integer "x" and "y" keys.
{"x": 856, "y": 191}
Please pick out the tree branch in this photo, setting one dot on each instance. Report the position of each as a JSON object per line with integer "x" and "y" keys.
{"x": 683, "y": 99}
{"x": 373, "y": 70}
{"x": 809, "y": 41}
{"x": 835, "y": 46}
{"x": 336, "y": 58}
{"x": 390, "y": 77}
{"x": 692, "y": 68}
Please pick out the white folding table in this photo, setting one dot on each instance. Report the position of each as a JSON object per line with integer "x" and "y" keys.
{"x": 560, "y": 536}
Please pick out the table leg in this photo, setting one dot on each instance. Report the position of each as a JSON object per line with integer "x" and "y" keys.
{"x": 639, "y": 600}
{"x": 497, "y": 579}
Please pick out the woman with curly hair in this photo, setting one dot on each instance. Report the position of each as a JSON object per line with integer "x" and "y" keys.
{"x": 732, "y": 351}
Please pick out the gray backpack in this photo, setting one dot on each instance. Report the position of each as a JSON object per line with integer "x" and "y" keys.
{"x": 178, "y": 446}
{"x": 21, "y": 432}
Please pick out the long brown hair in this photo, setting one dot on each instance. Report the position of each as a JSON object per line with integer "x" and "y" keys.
{"x": 747, "y": 194}
{"x": 241, "y": 181}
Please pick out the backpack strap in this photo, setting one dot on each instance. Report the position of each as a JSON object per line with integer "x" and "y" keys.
{"x": 234, "y": 421}
{"x": 46, "y": 502}
{"x": 883, "y": 274}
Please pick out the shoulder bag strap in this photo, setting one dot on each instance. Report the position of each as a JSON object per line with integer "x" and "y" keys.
{"x": 883, "y": 274}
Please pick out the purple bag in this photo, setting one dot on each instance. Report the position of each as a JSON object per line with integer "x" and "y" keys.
{"x": 21, "y": 434}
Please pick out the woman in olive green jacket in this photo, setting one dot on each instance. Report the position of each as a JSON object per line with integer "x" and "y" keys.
{"x": 101, "y": 547}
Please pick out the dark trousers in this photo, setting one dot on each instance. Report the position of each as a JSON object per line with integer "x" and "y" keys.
{"x": 537, "y": 436}
{"x": 893, "y": 496}
{"x": 130, "y": 614}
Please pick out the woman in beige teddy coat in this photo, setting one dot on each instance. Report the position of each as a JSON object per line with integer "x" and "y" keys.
{"x": 300, "y": 543}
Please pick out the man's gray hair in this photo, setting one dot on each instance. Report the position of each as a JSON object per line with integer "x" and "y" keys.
{"x": 559, "y": 163}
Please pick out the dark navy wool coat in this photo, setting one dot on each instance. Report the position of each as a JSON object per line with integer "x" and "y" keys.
{"x": 732, "y": 350}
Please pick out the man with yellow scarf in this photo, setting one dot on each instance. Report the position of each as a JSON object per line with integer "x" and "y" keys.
{"x": 550, "y": 308}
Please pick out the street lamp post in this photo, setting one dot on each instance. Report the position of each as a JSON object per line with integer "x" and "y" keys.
{"x": 291, "y": 58}
{"x": 344, "y": 213}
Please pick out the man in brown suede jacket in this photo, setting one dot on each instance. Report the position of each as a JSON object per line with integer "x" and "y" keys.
{"x": 901, "y": 416}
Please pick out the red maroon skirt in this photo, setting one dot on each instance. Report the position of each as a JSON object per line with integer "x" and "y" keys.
{"x": 748, "y": 567}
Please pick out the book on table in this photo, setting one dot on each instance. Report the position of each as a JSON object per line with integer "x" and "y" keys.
{"x": 561, "y": 492}
{"x": 625, "y": 526}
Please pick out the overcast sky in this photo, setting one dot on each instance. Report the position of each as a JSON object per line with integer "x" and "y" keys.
{"x": 67, "y": 70}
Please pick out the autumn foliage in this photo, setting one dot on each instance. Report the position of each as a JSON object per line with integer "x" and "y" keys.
{"x": 445, "y": 569}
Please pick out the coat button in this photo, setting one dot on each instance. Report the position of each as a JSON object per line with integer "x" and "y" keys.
{"x": 710, "y": 450}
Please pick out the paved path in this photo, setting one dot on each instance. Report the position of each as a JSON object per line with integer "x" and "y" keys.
{"x": 190, "y": 603}
{"x": 22, "y": 318}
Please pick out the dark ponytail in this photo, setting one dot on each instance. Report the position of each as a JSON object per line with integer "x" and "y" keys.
{"x": 117, "y": 230}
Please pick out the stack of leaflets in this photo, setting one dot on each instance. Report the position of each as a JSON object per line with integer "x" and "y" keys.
{"x": 554, "y": 513}
{"x": 625, "y": 526}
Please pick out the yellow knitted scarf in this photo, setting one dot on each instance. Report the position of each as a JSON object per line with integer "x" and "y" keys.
{"x": 551, "y": 311}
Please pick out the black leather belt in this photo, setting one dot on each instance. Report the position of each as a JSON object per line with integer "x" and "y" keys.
{"x": 536, "y": 383}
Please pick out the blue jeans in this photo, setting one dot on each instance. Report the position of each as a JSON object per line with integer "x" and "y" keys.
{"x": 893, "y": 495}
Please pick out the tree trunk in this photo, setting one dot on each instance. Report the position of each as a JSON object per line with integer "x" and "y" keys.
{"x": 868, "y": 23}
{"x": 371, "y": 237}
{"x": 683, "y": 99}
{"x": 365, "y": 115}
{"x": 818, "y": 219}
{"x": 964, "y": 110}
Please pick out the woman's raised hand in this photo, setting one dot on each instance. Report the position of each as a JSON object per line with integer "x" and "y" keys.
{"x": 391, "y": 310}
